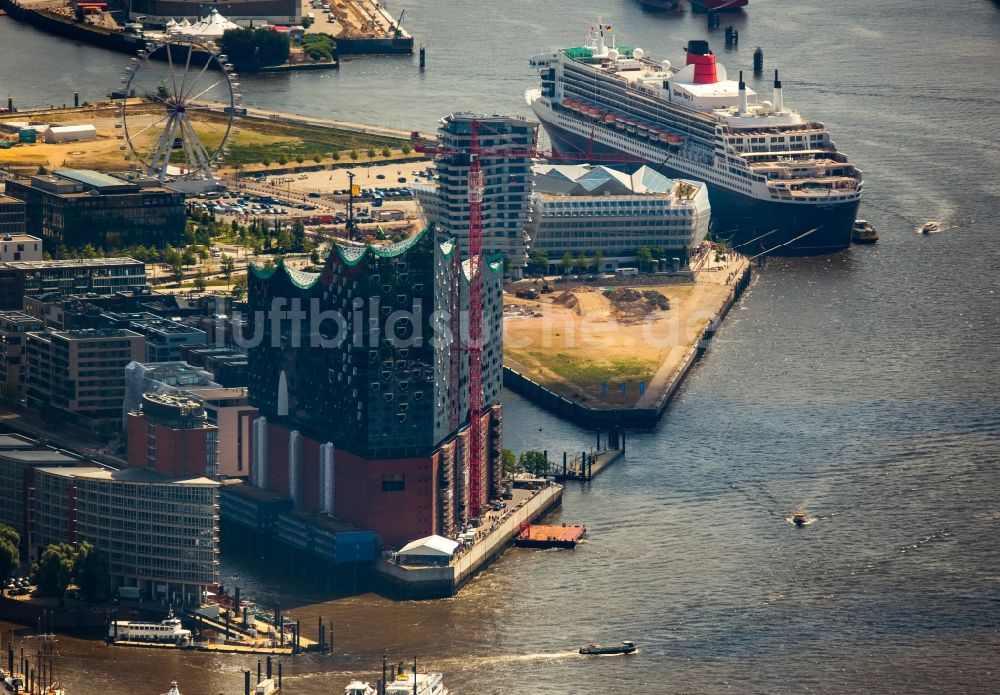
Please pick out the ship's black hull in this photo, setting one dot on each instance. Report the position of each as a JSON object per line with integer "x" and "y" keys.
{"x": 753, "y": 226}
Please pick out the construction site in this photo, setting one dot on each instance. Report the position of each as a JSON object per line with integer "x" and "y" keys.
{"x": 617, "y": 344}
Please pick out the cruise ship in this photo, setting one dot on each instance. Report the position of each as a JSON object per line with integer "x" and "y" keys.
{"x": 776, "y": 182}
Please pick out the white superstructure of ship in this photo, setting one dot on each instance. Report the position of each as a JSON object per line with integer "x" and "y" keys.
{"x": 168, "y": 630}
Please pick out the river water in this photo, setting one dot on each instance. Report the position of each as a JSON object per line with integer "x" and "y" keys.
{"x": 863, "y": 386}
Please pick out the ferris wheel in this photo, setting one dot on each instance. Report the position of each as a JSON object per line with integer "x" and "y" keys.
{"x": 188, "y": 113}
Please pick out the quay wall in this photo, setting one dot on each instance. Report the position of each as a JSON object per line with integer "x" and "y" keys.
{"x": 29, "y": 613}
{"x": 366, "y": 46}
{"x": 442, "y": 582}
{"x": 635, "y": 418}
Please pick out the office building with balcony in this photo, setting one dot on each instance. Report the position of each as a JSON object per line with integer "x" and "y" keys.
{"x": 86, "y": 276}
{"x": 14, "y": 327}
{"x": 506, "y": 195}
{"x": 76, "y": 207}
{"x": 11, "y": 216}
{"x": 80, "y": 374}
{"x": 160, "y": 534}
{"x": 582, "y": 209}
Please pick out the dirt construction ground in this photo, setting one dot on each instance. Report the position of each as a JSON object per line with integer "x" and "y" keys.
{"x": 573, "y": 347}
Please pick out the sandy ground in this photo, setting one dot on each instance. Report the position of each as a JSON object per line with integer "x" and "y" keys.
{"x": 366, "y": 176}
{"x": 574, "y": 350}
{"x": 105, "y": 153}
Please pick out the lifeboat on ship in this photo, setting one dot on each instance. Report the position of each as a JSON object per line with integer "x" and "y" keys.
{"x": 609, "y": 118}
{"x": 630, "y": 126}
{"x": 620, "y": 122}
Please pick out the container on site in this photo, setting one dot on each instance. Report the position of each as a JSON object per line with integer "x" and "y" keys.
{"x": 129, "y": 592}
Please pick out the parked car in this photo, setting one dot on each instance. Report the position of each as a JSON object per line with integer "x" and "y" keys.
{"x": 380, "y": 176}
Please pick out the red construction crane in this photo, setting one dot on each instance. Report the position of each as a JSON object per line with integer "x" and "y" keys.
{"x": 475, "y": 345}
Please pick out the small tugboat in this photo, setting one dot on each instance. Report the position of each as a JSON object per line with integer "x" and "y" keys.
{"x": 930, "y": 227}
{"x": 799, "y": 518}
{"x": 863, "y": 233}
{"x": 174, "y": 690}
{"x": 626, "y": 647}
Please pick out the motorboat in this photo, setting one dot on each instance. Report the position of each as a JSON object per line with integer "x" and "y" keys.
{"x": 863, "y": 233}
{"x": 626, "y": 647}
{"x": 174, "y": 690}
{"x": 799, "y": 517}
{"x": 930, "y": 227}
{"x": 359, "y": 688}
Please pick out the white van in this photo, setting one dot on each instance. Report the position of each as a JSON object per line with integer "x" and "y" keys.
{"x": 626, "y": 272}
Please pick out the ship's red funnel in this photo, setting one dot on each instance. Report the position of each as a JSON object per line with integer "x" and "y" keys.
{"x": 703, "y": 59}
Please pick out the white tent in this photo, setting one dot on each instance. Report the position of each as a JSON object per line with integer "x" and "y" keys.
{"x": 69, "y": 133}
{"x": 211, "y": 27}
{"x": 432, "y": 550}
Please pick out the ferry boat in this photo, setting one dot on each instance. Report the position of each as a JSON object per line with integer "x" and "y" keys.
{"x": 168, "y": 630}
{"x": 776, "y": 181}
{"x": 626, "y": 647}
{"x": 359, "y": 688}
{"x": 426, "y": 684}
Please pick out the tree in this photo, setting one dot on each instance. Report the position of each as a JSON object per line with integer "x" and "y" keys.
{"x": 371, "y": 153}
{"x": 644, "y": 257}
{"x": 251, "y": 48}
{"x": 314, "y": 257}
{"x": 299, "y": 159}
{"x": 509, "y": 462}
{"x": 567, "y": 263}
{"x": 538, "y": 262}
{"x": 200, "y": 284}
{"x": 534, "y": 462}
{"x": 353, "y": 154}
{"x": 177, "y": 271}
{"x": 91, "y": 571}
{"x": 227, "y": 265}
{"x": 9, "y": 556}
{"x": 599, "y": 260}
{"x": 386, "y": 152}
{"x": 335, "y": 155}
{"x": 406, "y": 149}
{"x": 298, "y": 236}
{"x": 282, "y": 160}
{"x": 53, "y": 571}
{"x": 266, "y": 161}
{"x": 581, "y": 262}
{"x": 317, "y": 158}
{"x": 240, "y": 288}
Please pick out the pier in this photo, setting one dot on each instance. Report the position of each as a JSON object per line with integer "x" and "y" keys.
{"x": 441, "y": 581}
{"x": 585, "y": 465}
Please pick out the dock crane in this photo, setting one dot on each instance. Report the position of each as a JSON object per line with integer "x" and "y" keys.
{"x": 474, "y": 348}
{"x": 397, "y": 30}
